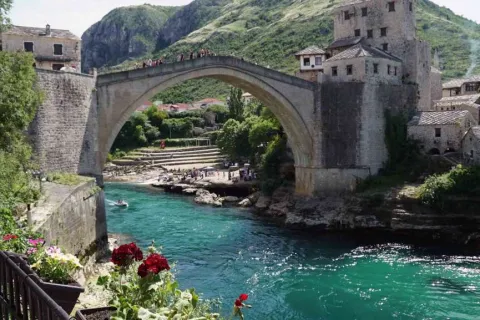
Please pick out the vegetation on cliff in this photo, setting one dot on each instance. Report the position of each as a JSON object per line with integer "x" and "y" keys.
{"x": 443, "y": 191}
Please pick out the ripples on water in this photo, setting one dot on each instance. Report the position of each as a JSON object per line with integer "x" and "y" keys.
{"x": 292, "y": 275}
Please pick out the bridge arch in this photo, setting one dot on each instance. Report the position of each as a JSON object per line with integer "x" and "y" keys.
{"x": 120, "y": 94}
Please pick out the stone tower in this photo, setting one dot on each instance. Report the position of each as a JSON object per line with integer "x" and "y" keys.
{"x": 390, "y": 26}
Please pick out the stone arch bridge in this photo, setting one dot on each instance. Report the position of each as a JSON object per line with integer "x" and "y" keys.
{"x": 335, "y": 130}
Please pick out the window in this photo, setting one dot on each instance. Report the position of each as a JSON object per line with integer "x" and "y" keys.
{"x": 395, "y": 70}
{"x": 388, "y": 69}
{"x": 391, "y": 6}
{"x": 318, "y": 61}
{"x": 334, "y": 71}
{"x": 58, "y": 49}
{"x": 453, "y": 108}
{"x": 438, "y": 132}
{"x": 471, "y": 153}
{"x": 347, "y": 15}
{"x": 369, "y": 33}
{"x": 470, "y": 87}
{"x": 306, "y": 62}
{"x": 57, "y": 66}
{"x": 357, "y": 32}
{"x": 349, "y": 69}
{"x": 383, "y": 32}
{"x": 28, "y": 46}
{"x": 375, "y": 68}
{"x": 411, "y": 6}
{"x": 385, "y": 47}
{"x": 364, "y": 12}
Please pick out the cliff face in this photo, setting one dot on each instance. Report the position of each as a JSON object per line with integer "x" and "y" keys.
{"x": 124, "y": 33}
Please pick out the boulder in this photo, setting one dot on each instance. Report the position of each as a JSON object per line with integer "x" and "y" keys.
{"x": 190, "y": 191}
{"x": 254, "y": 197}
{"x": 205, "y": 197}
{"x": 263, "y": 203}
{"x": 231, "y": 199}
{"x": 245, "y": 203}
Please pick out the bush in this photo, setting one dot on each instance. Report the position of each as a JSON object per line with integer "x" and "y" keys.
{"x": 68, "y": 179}
{"x": 460, "y": 181}
{"x": 170, "y": 143}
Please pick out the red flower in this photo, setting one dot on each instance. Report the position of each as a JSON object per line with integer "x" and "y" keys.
{"x": 243, "y": 297}
{"x": 238, "y": 303}
{"x": 155, "y": 263}
{"x": 9, "y": 237}
{"x": 142, "y": 270}
{"x": 124, "y": 255}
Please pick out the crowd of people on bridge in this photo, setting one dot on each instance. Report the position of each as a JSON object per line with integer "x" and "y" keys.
{"x": 181, "y": 57}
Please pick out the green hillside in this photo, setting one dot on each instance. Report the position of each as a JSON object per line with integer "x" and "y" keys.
{"x": 269, "y": 32}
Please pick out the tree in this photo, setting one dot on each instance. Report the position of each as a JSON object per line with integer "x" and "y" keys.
{"x": 19, "y": 96}
{"x": 156, "y": 116}
{"x": 5, "y": 6}
{"x": 236, "y": 104}
{"x": 221, "y": 114}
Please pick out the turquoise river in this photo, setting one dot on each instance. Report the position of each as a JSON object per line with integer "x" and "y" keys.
{"x": 294, "y": 275}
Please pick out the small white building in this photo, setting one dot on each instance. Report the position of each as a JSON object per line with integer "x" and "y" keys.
{"x": 247, "y": 97}
{"x": 363, "y": 63}
{"x": 469, "y": 103}
{"x": 471, "y": 145}
{"x": 311, "y": 62}
{"x": 440, "y": 132}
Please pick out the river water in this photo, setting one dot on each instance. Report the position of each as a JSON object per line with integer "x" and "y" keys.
{"x": 294, "y": 275}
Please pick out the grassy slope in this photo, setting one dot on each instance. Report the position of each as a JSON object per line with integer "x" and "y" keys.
{"x": 269, "y": 32}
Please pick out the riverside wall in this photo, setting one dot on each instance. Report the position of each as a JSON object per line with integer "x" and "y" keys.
{"x": 62, "y": 131}
{"x": 73, "y": 217}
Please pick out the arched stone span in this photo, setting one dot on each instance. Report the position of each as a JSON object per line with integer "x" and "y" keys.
{"x": 291, "y": 99}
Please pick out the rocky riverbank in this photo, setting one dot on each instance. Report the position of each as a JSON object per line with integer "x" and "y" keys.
{"x": 396, "y": 211}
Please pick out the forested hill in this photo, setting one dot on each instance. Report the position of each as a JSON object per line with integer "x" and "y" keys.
{"x": 269, "y": 32}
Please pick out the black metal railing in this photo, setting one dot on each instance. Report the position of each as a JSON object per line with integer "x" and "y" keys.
{"x": 20, "y": 297}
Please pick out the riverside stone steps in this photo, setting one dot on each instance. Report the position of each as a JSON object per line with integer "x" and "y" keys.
{"x": 173, "y": 157}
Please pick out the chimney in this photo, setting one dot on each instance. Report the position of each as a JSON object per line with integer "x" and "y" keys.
{"x": 47, "y": 30}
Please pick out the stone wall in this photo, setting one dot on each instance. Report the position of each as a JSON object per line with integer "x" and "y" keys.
{"x": 73, "y": 217}
{"x": 471, "y": 147}
{"x": 63, "y": 132}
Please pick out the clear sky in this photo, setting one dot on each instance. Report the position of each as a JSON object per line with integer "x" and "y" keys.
{"x": 78, "y": 15}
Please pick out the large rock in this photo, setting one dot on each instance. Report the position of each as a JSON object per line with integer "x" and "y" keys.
{"x": 205, "y": 197}
{"x": 245, "y": 203}
{"x": 262, "y": 203}
{"x": 231, "y": 199}
{"x": 190, "y": 191}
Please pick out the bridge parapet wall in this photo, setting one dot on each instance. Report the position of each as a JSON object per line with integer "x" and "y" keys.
{"x": 63, "y": 132}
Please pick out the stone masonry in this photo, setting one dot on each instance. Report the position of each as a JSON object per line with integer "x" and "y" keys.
{"x": 64, "y": 128}
{"x": 336, "y": 130}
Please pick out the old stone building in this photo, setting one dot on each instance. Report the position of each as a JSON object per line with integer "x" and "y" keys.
{"x": 440, "y": 132}
{"x": 375, "y": 41}
{"x": 469, "y": 103}
{"x": 311, "y": 62}
{"x": 53, "y": 49}
{"x": 363, "y": 63}
{"x": 461, "y": 87}
{"x": 390, "y": 26}
{"x": 471, "y": 146}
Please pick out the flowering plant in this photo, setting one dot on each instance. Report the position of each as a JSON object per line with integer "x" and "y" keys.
{"x": 146, "y": 288}
{"x": 53, "y": 265}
